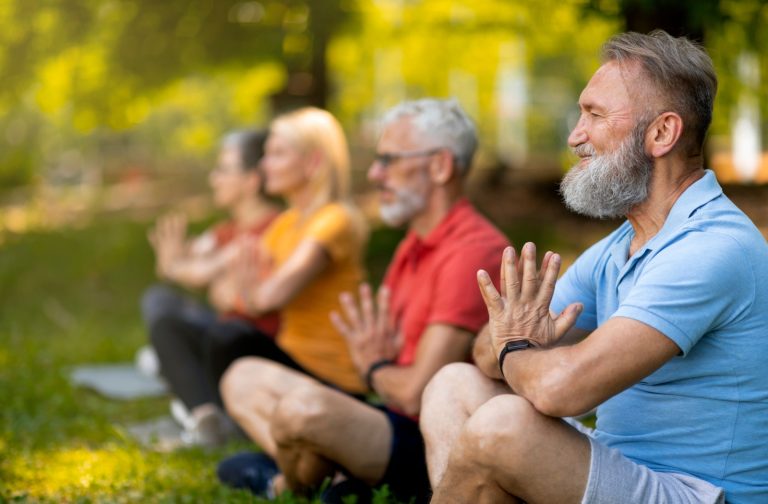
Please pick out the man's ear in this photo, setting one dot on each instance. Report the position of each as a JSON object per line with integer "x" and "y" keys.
{"x": 663, "y": 134}
{"x": 442, "y": 168}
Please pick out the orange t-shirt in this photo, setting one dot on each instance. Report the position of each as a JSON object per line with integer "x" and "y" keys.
{"x": 306, "y": 332}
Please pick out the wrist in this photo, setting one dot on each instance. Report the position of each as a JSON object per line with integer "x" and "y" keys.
{"x": 513, "y": 346}
{"x": 375, "y": 367}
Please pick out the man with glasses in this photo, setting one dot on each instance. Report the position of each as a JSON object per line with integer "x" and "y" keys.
{"x": 424, "y": 316}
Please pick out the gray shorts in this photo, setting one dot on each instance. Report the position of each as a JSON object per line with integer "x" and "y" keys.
{"x": 613, "y": 478}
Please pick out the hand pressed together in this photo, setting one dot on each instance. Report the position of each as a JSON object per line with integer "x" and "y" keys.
{"x": 521, "y": 310}
{"x": 168, "y": 239}
{"x": 367, "y": 327}
{"x": 241, "y": 275}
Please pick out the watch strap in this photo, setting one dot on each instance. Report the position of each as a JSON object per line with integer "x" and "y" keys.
{"x": 513, "y": 346}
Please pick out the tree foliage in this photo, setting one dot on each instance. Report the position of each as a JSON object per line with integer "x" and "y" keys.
{"x": 139, "y": 81}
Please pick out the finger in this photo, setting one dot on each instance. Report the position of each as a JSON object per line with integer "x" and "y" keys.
{"x": 366, "y": 304}
{"x": 382, "y": 314}
{"x": 529, "y": 284}
{"x": 509, "y": 283}
{"x": 549, "y": 279}
{"x": 351, "y": 311}
{"x": 567, "y": 319}
{"x": 544, "y": 264}
{"x": 341, "y": 326}
{"x": 503, "y": 276}
{"x": 491, "y": 296}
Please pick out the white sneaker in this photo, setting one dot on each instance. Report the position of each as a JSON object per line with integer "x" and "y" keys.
{"x": 181, "y": 414}
{"x": 147, "y": 362}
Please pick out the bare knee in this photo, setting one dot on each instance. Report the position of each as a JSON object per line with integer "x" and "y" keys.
{"x": 300, "y": 413}
{"x": 501, "y": 429}
{"x": 237, "y": 383}
{"x": 447, "y": 380}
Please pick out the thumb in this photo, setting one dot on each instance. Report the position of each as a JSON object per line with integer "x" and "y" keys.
{"x": 567, "y": 318}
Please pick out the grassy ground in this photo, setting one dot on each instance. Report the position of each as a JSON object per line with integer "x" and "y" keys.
{"x": 70, "y": 297}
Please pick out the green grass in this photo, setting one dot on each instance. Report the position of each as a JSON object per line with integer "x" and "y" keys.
{"x": 71, "y": 297}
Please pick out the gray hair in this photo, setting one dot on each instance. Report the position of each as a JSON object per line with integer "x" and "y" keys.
{"x": 443, "y": 124}
{"x": 681, "y": 71}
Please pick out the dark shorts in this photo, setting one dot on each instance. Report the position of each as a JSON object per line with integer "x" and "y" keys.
{"x": 406, "y": 473}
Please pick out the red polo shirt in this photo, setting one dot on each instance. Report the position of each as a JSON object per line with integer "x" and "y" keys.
{"x": 434, "y": 280}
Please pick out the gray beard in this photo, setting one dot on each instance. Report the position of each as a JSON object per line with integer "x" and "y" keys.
{"x": 613, "y": 183}
{"x": 406, "y": 206}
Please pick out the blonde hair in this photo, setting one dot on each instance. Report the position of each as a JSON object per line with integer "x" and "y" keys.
{"x": 311, "y": 129}
{"x": 314, "y": 130}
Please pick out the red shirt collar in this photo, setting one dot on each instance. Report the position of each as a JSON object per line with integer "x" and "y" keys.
{"x": 454, "y": 216}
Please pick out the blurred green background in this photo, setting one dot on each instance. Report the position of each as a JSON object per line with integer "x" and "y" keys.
{"x": 98, "y": 93}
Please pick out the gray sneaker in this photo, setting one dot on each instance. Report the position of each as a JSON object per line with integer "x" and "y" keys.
{"x": 210, "y": 428}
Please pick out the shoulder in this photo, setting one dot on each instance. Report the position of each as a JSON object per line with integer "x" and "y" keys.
{"x": 472, "y": 229}
{"x": 332, "y": 212}
{"x": 711, "y": 252}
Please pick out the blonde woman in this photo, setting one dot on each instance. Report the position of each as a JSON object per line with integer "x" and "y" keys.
{"x": 310, "y": 254}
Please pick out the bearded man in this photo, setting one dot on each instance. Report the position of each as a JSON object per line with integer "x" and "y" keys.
{"x": 425, "y": 316}
{"x": 662, "y": 325}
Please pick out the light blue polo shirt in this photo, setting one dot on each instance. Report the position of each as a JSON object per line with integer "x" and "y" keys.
{"x": 702, "y": 281}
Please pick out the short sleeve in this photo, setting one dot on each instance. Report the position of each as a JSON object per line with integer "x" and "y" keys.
{"x": 333, "y": 227}
{"x": 577, "y": 285}
{"x": 457, "y": 298}
{"x": 692, "y": 287}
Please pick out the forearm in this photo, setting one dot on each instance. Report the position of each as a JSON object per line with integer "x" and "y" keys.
{"x": 272, "y": 293}
{"x": 483, "y": 356}
{"x": 543, "y": 377}
{"x": 191, "y": 272}
{"x": 268, "y": 296}
{"x": 399, "y": 387}
{"x": 402, "y": 386}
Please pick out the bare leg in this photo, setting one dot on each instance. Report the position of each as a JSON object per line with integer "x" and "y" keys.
{"x": 251, "y": 389}
{"x": 508, "y": 452}
{"x": 453, "y": 394}
{"x": 318, "y": 429}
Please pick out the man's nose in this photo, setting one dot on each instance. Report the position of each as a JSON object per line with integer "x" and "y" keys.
{"x": 376, "y": 171}
{"x": 578, "y": 134}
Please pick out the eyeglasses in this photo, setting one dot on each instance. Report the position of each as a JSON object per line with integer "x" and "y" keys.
{"x": 387, "y": 158}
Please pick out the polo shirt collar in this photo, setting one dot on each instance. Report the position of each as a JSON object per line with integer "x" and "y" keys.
{"x": 416, "y": 246}
{"x": 445, "y": 227}
{"x": 696, "y": 196}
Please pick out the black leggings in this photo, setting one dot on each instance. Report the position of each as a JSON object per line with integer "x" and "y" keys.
{"x": 193, "y": 357}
